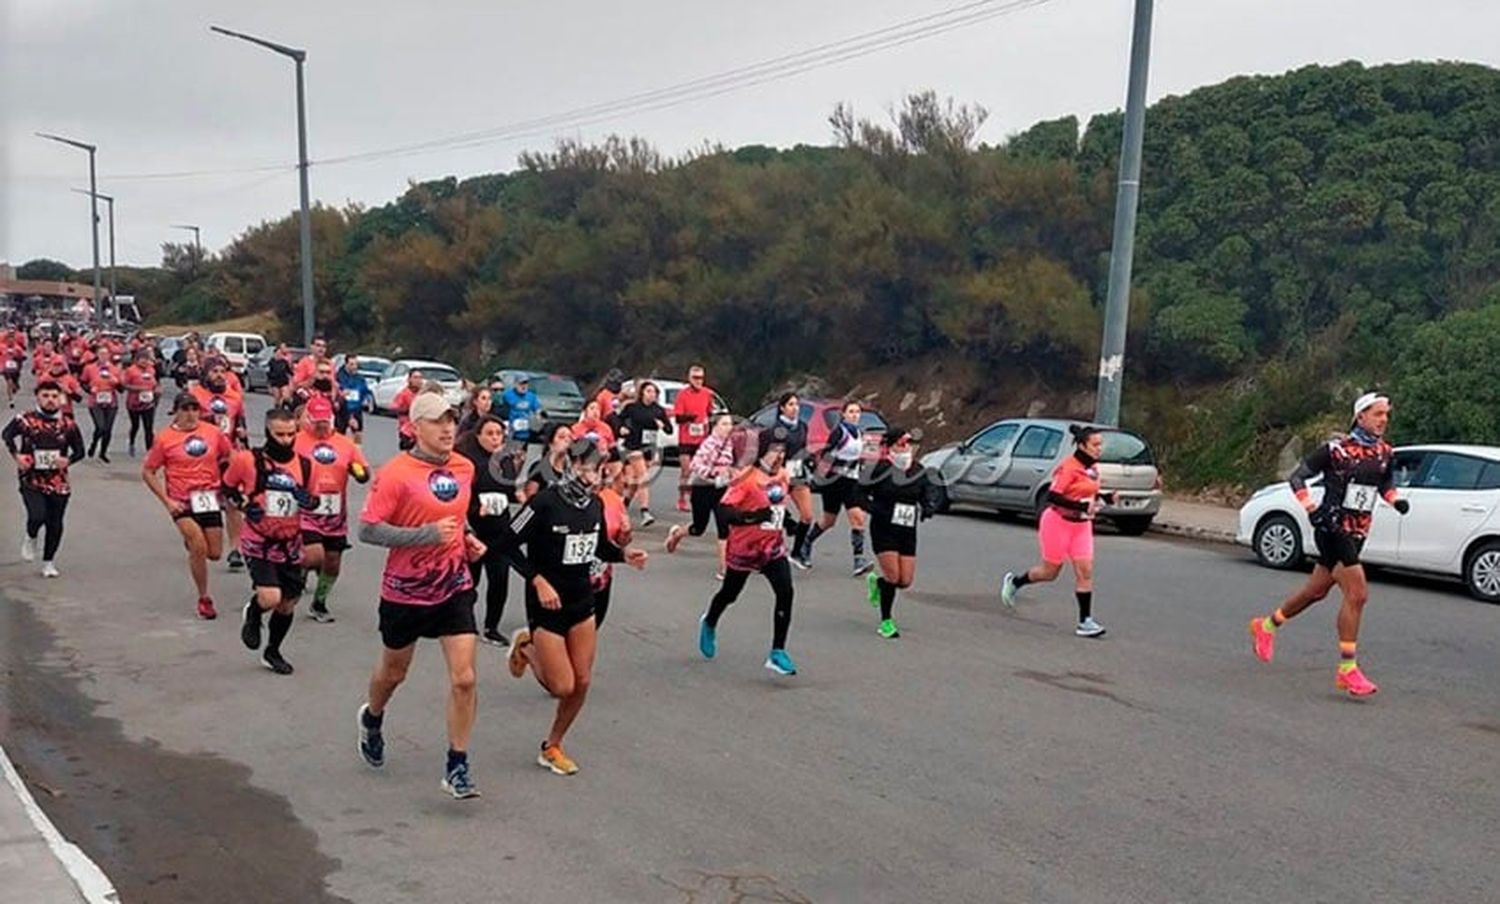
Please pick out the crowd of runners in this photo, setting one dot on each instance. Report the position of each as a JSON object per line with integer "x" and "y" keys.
{"x": 461, "y": 506}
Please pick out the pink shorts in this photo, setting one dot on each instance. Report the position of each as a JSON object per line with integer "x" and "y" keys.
{"x": 1064, "y": 540}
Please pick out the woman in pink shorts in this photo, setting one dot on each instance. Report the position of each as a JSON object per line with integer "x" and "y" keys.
{"x": 1067, "y": 528}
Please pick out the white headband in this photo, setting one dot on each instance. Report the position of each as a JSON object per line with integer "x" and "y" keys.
{"x": 1368, "y": 400}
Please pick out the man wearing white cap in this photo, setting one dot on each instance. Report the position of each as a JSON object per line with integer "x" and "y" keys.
{"x": 1356, "y": 477}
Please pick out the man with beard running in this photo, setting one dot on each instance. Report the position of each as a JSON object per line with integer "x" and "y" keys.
{"x": 43, "y": 443}
{"x": 1357, "y": 477}
{"x": 416, "y": 508}
{"x": 269, "y": 486}
{"x": 325, "y": 528}
{"x": 225, "y": 409}
{"x": 193, "y": 454}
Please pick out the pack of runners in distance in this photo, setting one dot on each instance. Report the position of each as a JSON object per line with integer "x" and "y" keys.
{"x": 459, "y": 505}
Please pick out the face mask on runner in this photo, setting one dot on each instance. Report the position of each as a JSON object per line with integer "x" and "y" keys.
{"x": 278, "y": 451}
{"x": 215, "y": 386}
{"x": 323, "y": 384}
{"x": 902, "y": 460}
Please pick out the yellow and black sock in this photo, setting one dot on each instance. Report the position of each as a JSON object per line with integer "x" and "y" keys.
{"x": 1347, "y": 662}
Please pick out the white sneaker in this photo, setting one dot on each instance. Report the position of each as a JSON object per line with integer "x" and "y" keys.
{"x": 1008, "y": 590}
{"x": 28, "y": 548}
{"x": 1089, "y": 628}
{"x": 49, "y": 570}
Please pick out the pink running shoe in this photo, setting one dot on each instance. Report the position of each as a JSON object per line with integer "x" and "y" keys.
{"x": 1261, "y": 640}
{"x": 1355, "y": 682}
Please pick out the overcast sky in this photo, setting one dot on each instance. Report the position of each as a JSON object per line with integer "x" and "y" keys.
{"x": 158, "y": 93}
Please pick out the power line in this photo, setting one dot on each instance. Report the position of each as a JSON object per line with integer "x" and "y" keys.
{"x": 739, "y": 78}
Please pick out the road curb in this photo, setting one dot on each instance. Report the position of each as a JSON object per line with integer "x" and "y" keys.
{"x": 91, "y": 882}
{"x": 1193, "y": 531}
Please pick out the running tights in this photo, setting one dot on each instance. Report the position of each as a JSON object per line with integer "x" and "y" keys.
{"x": 779, "y": 575}
{"x": 143, "y": 421}
{"x": 887, "y": 598}
{"x": 104, "y": 425}
{"x": 497, "y": 568}
{"x": 45, "y": 510}
{"x": 705, "y": 501}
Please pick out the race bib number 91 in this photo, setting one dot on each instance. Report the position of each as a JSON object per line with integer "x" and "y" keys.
{"x": 778, "y": 519}
{"x": 280, "y": 504}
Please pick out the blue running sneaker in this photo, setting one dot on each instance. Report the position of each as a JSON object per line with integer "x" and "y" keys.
{"x": 371, "y": 741}
{"x": 780, "y": 663}
{"x": 458, "y": 784}
{"x": 708, "y": 638}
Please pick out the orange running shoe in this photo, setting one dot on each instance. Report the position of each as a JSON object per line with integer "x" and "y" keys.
{"x": 517, "y": 659}
{"x": 1355, "y": 682}
{"x": 553, "y": 758}
{"x": 1263, "y": 642}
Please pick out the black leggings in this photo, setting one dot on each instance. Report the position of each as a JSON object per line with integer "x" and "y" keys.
{"x": 497, "y": 592}
{"x": 779, "y": 574}
{"x": 705, "y": 504}
{"x": 104, "y": 425}
{"x": 45, "y": 510}
{"x": 144, "y": 421}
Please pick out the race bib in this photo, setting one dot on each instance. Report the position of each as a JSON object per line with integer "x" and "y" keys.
{"x": 1361, "y": 497}
{"x": 778, "y": 519}
{"x": 796, "y": 469}
{"x": 280, "y": 504}
{"x": 11, "y": 366}
{"x": 329, "y": 504}
{"x": 351, "y": 395}
{"x": 104, "y": 398}
{"x": 648, "y": 437}
{"x": 904, "y": 515}
{"x": 146, "y": 396}
{"x": 578, "y": 549}
{"x": 46, "y": 459}
{"x": 224, "y": 424}
{"x": 697, "y": 429}
{"x": 493, "y": 504}
{"x": 202, "y": 502}
{"x": 520, "y": 425}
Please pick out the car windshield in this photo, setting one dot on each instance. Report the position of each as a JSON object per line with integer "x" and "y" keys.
{"x": 370, "y": 367}
{"x": 440, "y": 374}
{"x": 557, "y": 388}
{"x": 1122, "y": 448}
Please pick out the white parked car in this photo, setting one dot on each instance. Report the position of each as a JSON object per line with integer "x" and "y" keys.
{"x": 237, "y": 348}
{"x": 666, "y": 440}
{"x": 394, "y": 380}
{"x": 1453, "y": 528}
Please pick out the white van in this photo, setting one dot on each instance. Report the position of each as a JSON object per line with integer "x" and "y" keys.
{"x": 236, "y": 348}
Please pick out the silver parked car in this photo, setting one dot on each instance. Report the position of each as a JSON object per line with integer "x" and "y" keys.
{"x": 1008, "y": 467}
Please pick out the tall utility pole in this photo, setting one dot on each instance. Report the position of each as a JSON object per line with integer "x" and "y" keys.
{"x": 299, "y": 57}
{"x": 110, "y": 203}
{"x": 197, "y": 245}
{"x": 1122, "y": 255}
{"x": 93, "y": 210}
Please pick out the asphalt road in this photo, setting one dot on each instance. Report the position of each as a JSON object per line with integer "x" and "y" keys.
{"x": 985, "y": 756}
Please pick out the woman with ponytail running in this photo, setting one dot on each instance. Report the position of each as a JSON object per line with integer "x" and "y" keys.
{"x": 1066, "y": 528}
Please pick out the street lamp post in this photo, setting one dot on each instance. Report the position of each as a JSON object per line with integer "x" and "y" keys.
{"x": 93, "y": 209}
{"x": 110, "y": 205}
{"x": 1122, "y": 254}
{"x": 197, "y": 245}
{"x": 299, "y": 57}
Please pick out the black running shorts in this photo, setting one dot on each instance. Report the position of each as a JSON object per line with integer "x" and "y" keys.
{"x": 205, "y": 520}
{"x": 402, "y": 624}
{"x": 1337, "y": 548}
{"x": 890, "y": 538}
{"x": 558, "y": 621}
{"x": 330, "y": 542}
{"x": 289, "y": 577}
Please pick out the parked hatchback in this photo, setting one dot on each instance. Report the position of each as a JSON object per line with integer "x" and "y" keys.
{"x": 1453, "y": 527}
{"x": 1008, "y": 467}
{"x": 257, "y": 370}
{"x": 395, "y": 376}
{"x": 820, "y": 416}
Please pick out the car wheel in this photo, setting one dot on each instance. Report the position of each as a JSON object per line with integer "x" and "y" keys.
{"x": 368, "y": 404}
{"x": 1278, "y": 542}
{"x": 1133, "y": 525}
{"x": 1482, "y": 572}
